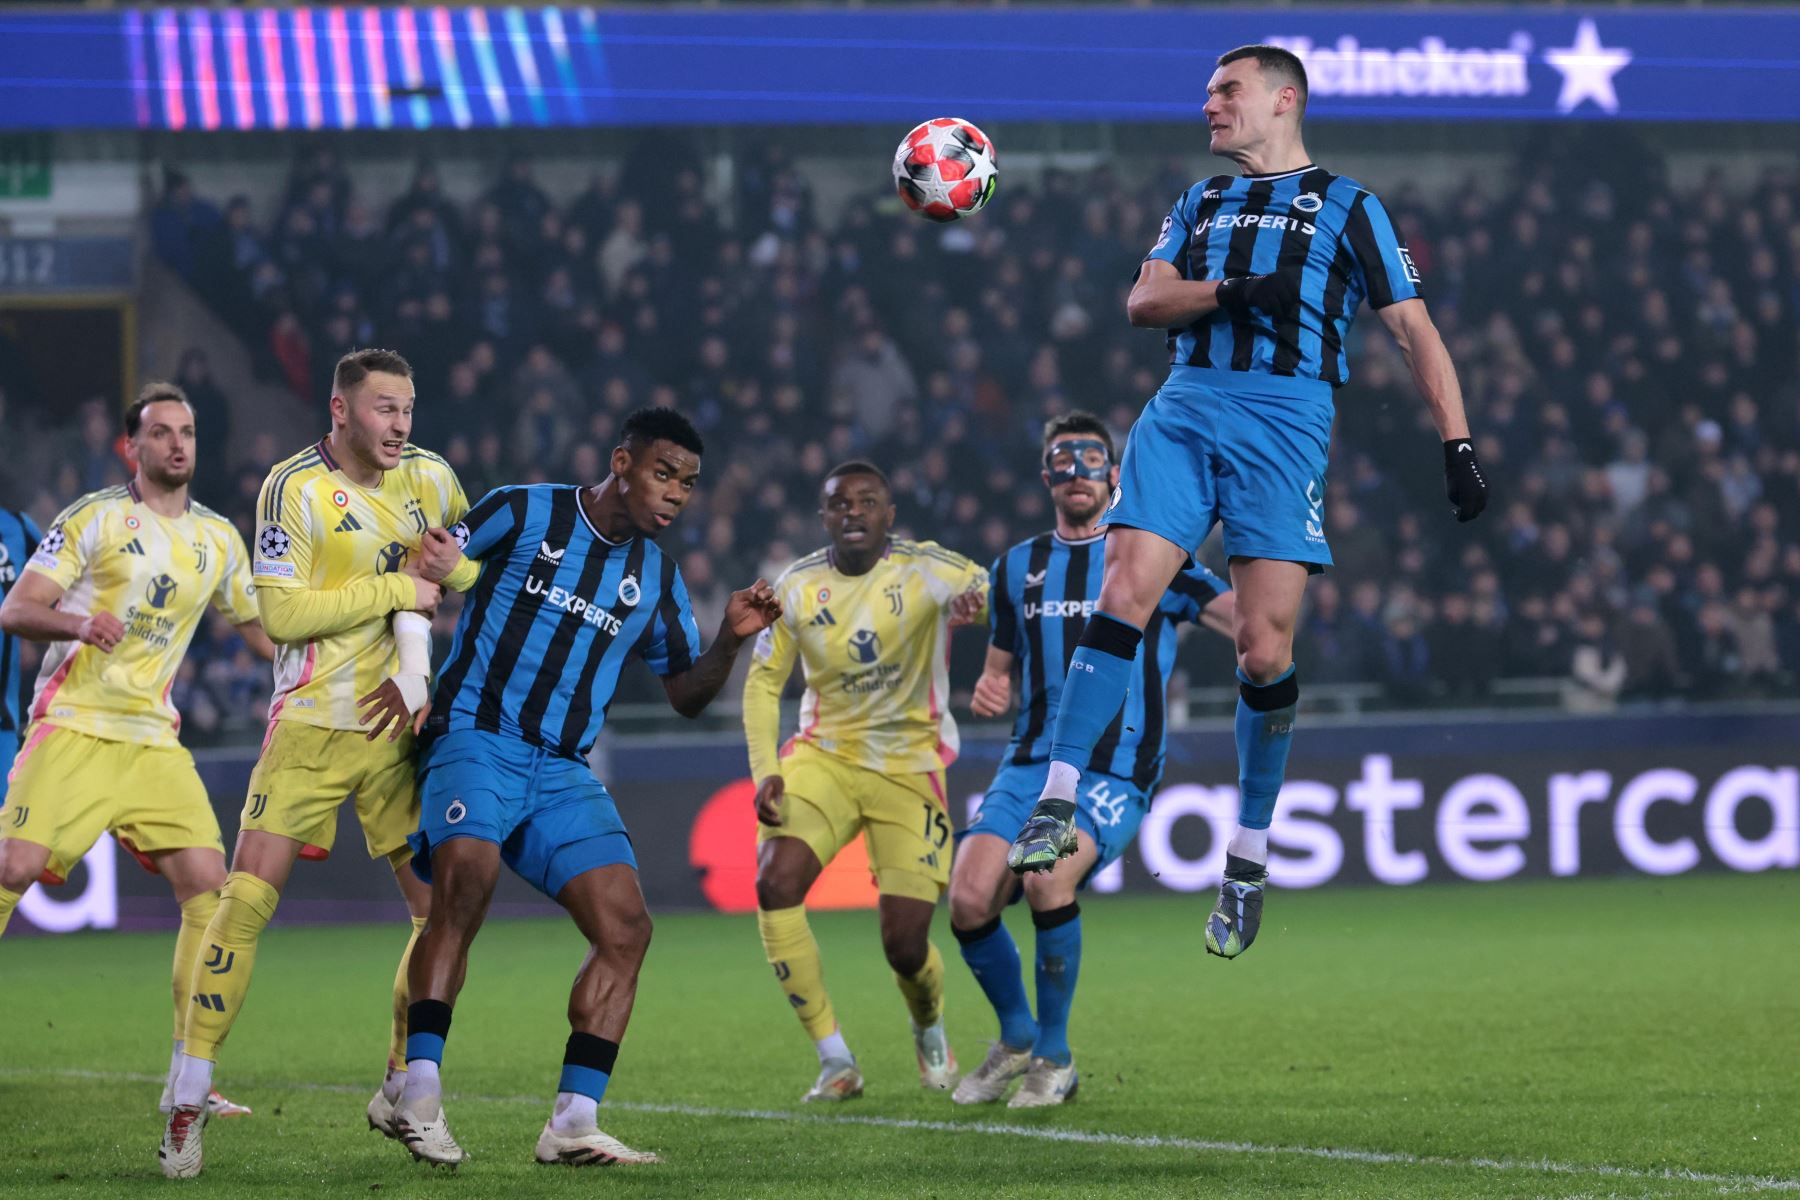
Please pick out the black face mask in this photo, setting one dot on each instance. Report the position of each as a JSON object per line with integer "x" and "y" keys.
{"x": 1077, "y": 458}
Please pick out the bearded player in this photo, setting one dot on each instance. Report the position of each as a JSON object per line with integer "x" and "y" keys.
{"x": 1256, "y": 277}
{"x": 573, "y": 587}
{"x": 351, "y": 551}
{"x": 117, "y": 588}
{"x": 869, "y": 618}
{"x": 1043, "y": 594}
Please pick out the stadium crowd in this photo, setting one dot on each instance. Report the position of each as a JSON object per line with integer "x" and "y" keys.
{"x": 1628, "y": 351}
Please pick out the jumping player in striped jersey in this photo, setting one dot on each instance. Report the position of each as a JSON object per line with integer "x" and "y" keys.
{"x": 1043, "y": 593}
{"x": 869, "y": 619}
{"x": 1256, "y": 277}
{"x": 117, "y": 587}
{"x": 352, "y": 548}
{"x": 572, "y": 587}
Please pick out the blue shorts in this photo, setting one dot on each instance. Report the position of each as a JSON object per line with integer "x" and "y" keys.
{"x": 550, "y": 817}
{"x": 1246, "y": 450}
{"x": 1108, "y": 808}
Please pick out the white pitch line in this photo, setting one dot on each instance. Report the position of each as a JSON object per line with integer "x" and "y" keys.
{"x": 1034, "y": 1132}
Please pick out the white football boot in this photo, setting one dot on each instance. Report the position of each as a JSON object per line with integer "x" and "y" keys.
{"x": 988, "y": 1082}
{"x": 838, "y": 1080}
{"x": 381, "y": 1115}
{"x": 180, "y": 1152}
{"x": 1046, "y": 1083}
{"x": 937, "y": 1062}
{"x": 592, "y": 1149}
{"x": 428, "y": 1138}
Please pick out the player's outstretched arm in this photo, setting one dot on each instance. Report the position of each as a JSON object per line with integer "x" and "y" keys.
{"x": 747, "y": 614}
{"x": 1435, "y": 376}
{"x": 30, "y": 612}
{"x": 993, "y": 691}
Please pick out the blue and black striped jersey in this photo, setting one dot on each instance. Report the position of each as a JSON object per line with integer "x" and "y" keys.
{"x": 1044, "y": 591}
{"x": 19, "y": 539}
{"x": 1327, "y": 228}
{"x": 552, "y": 619}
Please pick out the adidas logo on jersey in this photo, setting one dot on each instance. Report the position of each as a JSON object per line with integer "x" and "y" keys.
{"x": 348, "y": 525}
{"x": 132, "y": 547}
{"x": 824, "y": 618}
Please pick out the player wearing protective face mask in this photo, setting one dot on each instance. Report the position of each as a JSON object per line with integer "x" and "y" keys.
{"x": 1044, "y": 591}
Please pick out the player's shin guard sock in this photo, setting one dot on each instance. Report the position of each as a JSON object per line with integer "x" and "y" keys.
{"x": 8, "y": 902}
{"x": 427, "y": 1026}
{"x": 1265, "y": 730}
{"x": 993, "y": 957}
{"x": 226, "y": 958}
{"x": 196, "y": 914}
{"x": 587, "y": 1067}
{"x": 791, "y": 949}
{"x": 924, "y": 988}
{"x": 1058, "y": 964}
{"x": 395, "y": 1080}
{"x": 1099, "y": 674}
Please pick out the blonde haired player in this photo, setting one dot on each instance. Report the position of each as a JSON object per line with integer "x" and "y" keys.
{"x": 869, "y": 618}
{"x": 117, "y": 587}
{"x": 351, "y": 549}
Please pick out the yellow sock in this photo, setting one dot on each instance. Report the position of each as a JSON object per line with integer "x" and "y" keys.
{"x": 196, "y": 914}
{"x": 227, "y": 956}
{"x": 924, "y": 991}
{"x": 8, "y": 902}
{"x": 794, "y": 953}
{"x": 397, "y": 1041}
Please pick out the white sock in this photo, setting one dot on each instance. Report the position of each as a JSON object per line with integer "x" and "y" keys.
{"x": 423, "y": 1092}
{"x": 1062, "y": 781}
{"x": 575, "y": 1114}
{"x": 833, "y": 1046}
{"x": 175, "y": 1061}
{"x": 393, "y": 1083}
{"x": 193, "y": 1082}
{"x": 1252, "y": 844}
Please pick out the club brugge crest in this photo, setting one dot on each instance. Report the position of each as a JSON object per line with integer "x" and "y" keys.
{"x": 629, "y": 591}
{"x": 161, "y": 591}
{"x": 390, "y": 558}
{"x": 865, "y": 646}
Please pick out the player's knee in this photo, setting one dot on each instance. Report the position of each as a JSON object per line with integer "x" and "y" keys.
{"x": 1264, "y": 649}
{"x": 970, "y": 906}
{"x": 775, "y": 890}
{"x": 906, "y": 954}
{"x": 1045, "y": 891}
{"x": 627, "y": 938}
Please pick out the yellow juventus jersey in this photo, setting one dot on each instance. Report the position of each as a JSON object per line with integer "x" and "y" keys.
{"x": 110, "y": 553}
{"x": 318, "y": 530}
{"x": 875, "y": 652}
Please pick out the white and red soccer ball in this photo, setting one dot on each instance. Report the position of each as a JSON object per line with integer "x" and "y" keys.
{"x": 945, "y": 169}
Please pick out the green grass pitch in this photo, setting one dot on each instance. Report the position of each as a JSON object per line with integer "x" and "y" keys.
{"x": 1596, "y": 1038}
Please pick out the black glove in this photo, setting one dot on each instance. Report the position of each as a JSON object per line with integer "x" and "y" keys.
{"x": 1463, "y": 481}
{"x": 1275, "y": 294}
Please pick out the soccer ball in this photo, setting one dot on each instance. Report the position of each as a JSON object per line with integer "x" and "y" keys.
{"x": 945, "y": 169}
